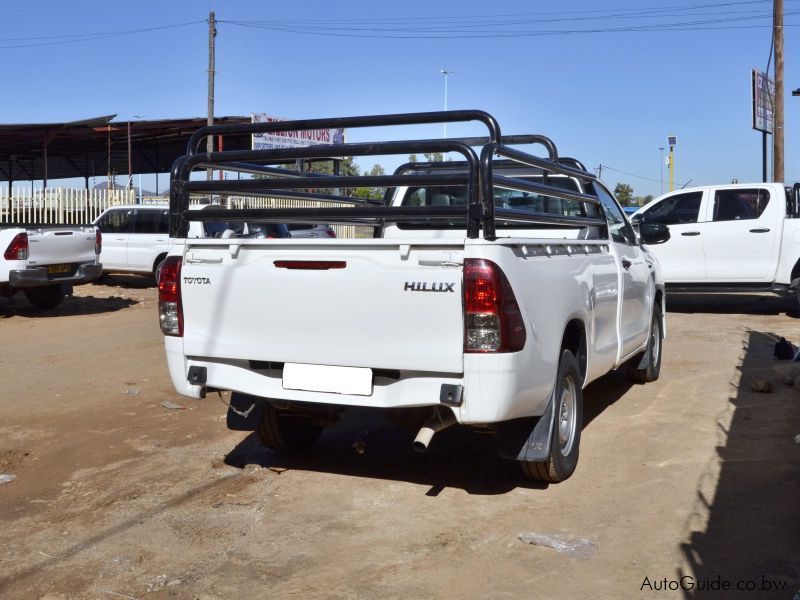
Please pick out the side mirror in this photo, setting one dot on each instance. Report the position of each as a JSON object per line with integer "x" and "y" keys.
{"x": 653, "y": 233}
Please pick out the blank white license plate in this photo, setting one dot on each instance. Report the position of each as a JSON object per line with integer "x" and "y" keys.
{"x": 325, "y": 378}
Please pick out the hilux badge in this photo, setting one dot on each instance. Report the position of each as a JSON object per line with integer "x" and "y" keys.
{"x": 433, "y": 286}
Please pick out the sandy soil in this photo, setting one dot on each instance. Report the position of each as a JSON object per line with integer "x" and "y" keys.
{"x": 118, "y": 497}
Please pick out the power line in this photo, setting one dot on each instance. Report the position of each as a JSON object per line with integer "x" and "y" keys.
{"x": 87, "y": 37}
{"x": 354, "y": 32}
{"x": 630, "y": 174}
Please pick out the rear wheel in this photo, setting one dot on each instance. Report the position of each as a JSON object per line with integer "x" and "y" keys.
{"x": 653, "y": 369}
{"x": 45, "y": 297}
{"x": 286, "y": 431}
{"x": 566, "y": 438}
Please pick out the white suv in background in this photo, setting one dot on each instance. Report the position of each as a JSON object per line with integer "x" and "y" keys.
{"x": 135, "y": 238}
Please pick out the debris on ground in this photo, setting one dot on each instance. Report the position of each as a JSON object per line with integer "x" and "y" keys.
{"x": 762, "y": 386}
{"x": 6, "y": 478}
{"x": 574, "y": 546}
{"x": 172, "y": 405}
{"x": 132, "y": 392}
{"x": 278, "y": 469}
{"x": 797, "y": 439}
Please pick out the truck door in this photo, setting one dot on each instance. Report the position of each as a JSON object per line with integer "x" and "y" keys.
{"x": 741, "y": 236}
{"x": 636, "y": 287}
{"x": 150, "y": 237}
{"x": 681, "y": 257}
{"x": 116, "y": 226}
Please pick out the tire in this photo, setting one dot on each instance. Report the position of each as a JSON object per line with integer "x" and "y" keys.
{"x": 654, "y": 345}
{"x": 45, "y": 297}
{"x": 287, "y": 432}
{"x": 568, "y": 422}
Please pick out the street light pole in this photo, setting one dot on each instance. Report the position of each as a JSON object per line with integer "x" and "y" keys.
{"x": 445, "y": 72}
{"x": 661, "y": 179}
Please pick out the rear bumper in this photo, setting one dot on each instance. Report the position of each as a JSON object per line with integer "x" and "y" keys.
{"x": 38, "y": 276}
{"x": 491, "y": 390}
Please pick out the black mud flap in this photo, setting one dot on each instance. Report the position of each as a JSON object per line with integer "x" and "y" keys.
{"x": 528, "y": 439}
{"x": 66, "y": 289}
{"x": 244, "y": 412}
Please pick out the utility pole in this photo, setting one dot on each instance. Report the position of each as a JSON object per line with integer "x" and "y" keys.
{"x": 777, "y": 136}
{"x": 600, "y": 171}
{"x": 661, "y": 160}
{"x": 672, "y": 141}
{"x": 212, "y": 34}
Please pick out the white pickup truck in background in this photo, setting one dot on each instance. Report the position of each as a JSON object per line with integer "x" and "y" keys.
{"x": 45, "y": 261}
{"x": 735, "y": 237}
{"x": 488, "y": 306}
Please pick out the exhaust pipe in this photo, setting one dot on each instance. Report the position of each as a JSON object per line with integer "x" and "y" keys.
{"x": 437, "y": 422}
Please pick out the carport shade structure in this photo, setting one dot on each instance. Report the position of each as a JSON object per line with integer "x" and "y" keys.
{"x": 99, "y": 147}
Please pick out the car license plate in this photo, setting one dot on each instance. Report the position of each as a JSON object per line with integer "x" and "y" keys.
{"x": 57, "y": 269}
{"x": 325, "y": 378}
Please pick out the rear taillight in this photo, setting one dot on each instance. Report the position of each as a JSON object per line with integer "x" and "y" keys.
{"x": 18, "y": 248}
{"x": 170, "y": 308}
{"x": 98, "y": 242}
{"x": 330, "y": 233}
{"x": 492, "y": 319}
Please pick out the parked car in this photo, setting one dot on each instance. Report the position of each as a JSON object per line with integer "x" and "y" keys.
{"x": 135, "y": 238}
{"x": 733, "y": 237}
{"x": 493, "y": 295}
{"x": 45, "y": 261}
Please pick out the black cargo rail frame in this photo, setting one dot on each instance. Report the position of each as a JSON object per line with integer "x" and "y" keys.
{"x": 477, "y": 175}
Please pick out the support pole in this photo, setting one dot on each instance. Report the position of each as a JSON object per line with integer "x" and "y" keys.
{"x": 46, "y": 141}
{"x": 671, "y": 168}
{"x": 777, "y": 138}
{"x": 212, "y": 33}
{"x": 764, "y": 175}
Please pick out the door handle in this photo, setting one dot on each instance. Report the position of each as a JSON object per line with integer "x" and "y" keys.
{"x": 691, "y": 233}
{"x": 626, "y": 264}
{"x": 760, "y": 230}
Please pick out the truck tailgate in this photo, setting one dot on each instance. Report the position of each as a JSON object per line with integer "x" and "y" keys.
{"x": 378, "y": 304}
{"x": 55, "y": 244}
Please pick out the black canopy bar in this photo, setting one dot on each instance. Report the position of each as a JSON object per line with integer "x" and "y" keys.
{"x": 423, "y": 118}
{"x": 474, "y": 172}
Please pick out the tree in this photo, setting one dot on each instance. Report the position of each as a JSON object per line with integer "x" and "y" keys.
{"x": 374, "y": 193}
{"x": 624, "y": 194}
{"x": 412, "y": 158}
{"x": 434, "y": 156}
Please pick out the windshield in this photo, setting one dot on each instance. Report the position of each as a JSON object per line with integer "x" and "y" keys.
{"x": 503, "y": 198}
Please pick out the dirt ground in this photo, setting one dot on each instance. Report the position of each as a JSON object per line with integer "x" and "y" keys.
{"x": 692, "y": 476}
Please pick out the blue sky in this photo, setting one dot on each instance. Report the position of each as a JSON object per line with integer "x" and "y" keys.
{"x": 610, "y": 97}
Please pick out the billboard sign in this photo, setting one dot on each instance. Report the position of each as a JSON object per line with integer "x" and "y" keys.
{"x": 292, "y": 139}
{"x": 763, "y": 102}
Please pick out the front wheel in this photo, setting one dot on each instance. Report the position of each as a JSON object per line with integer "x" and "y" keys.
{"x": 567, "y": 425}
{"x": 653, "y": 355}
{"x": 45, "y": 297}
{"x": 287, "y": 431}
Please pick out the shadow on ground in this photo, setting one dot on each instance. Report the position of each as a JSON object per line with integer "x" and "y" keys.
{"x": 457, "y": 458}
{"x": 745, "y": 524}
{"x": 127, "y": 281}
{"x": 747, "y": 304}
{"x": 72, "y": 305}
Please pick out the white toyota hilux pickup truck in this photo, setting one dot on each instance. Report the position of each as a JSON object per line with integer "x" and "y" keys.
{"x": 493, "y": 291}
{"x": 736, "y": 237}
{"x": 45, "y": 261}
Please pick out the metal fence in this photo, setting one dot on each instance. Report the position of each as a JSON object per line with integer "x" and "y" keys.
{"x": 59, "y": 205}
{"x": 65, "y": 206}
